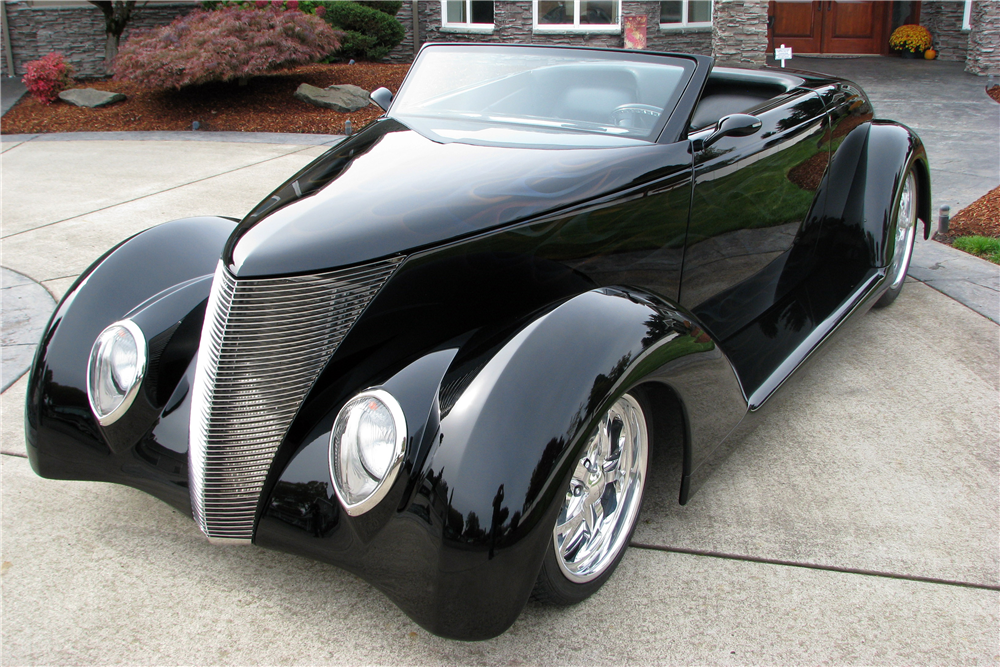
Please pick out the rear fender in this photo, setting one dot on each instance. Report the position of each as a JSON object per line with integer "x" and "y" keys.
{"x": 863, "y": 183}
{"x": 893, "y": 149}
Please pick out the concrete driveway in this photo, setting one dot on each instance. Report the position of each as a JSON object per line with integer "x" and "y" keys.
{"x": 860, "y": 524}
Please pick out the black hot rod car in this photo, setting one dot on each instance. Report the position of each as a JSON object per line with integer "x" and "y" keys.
{"x": 436, "y": 355}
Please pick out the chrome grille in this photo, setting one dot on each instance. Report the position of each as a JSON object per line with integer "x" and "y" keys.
{"x": 263, "y": 344}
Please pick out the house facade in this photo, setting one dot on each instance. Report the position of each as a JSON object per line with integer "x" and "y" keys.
{"x": 736, "y": 32}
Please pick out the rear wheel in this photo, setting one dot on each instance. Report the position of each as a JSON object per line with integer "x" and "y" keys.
{"x": 600, "y": 508}
{"x": 905, "y": 218}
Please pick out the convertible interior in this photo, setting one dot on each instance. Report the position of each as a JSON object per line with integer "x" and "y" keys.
{"x": 730, "y": 91}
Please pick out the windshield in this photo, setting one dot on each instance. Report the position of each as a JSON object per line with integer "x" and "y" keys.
{"x": 550, "y": 96}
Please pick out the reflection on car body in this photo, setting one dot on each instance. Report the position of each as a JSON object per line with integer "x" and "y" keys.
{"x": 441, "y": 355}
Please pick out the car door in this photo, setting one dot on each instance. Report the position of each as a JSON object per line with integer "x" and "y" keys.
{"x": 750, "y": 239}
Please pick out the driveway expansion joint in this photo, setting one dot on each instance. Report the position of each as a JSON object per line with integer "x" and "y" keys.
{"x": 814, "y": 566}
{"x": 27, "y": 306}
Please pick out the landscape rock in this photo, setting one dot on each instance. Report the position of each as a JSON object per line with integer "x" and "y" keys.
{"x": 90, "y": 97}
{"x": 345, "y": 99}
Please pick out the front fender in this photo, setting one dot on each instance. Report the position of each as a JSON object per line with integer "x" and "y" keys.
{"x": 160, "y": 278}
{"x": 495, "y": 426}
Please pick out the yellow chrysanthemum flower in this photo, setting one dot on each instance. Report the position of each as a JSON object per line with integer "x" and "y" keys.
{"x": 910, "y": 38}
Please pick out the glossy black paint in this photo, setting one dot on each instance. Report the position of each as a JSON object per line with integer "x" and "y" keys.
{"x": 775, "y": 249}
{"x": 480, "y": 487}
{"x": 389, "y": 190}
{"x": 537, "y": 286}
{"x": 161, "y": 279}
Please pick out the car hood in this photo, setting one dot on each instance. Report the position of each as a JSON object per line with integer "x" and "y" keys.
{"x": 389, "y": 190}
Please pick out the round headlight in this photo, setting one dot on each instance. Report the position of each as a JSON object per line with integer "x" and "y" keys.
{"x": 366, "y": 449}
{"x": 117, "y": 365}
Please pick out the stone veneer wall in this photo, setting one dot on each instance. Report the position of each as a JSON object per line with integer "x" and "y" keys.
{"x": 512, "y": 24}
{"x": 403, "y": 53}
{"x": 739, "y": 32}
{"x": 76, "y": 32}
{"x": 678, "y": 40}
{"x": 984, "y": 41}
{"x": 512, "y": 21}
{"x": 944, "y": 20}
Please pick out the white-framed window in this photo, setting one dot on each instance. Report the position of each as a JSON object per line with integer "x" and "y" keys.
{"x": 577, "y": 16}
{"x": 967, "y": 16}
{"x": 467, "y": 15}
{"x": 686, "y": 14}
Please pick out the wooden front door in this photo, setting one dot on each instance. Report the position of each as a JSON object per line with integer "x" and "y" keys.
{"x": 830, "y": 26}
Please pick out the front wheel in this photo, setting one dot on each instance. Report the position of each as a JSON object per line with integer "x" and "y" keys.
{"x": 600, "y": 508}
{"x": 906, "y": 232}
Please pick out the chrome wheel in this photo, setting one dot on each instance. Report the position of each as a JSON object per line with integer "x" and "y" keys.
{"x": 906, "y": 228}
{"x": 603, "y": 499}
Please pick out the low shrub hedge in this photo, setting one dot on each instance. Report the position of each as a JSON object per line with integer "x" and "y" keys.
{"x": 48, "y": 76}
{"x": 370, "y": 34}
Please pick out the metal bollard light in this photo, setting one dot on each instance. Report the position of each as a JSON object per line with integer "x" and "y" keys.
{"x": 944, "y": 219}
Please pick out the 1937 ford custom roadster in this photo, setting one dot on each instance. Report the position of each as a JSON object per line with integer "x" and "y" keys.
{"x": 438, "y": 355}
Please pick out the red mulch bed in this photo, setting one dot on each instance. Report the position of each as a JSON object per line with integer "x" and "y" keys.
{"x": 994, "y": 92}
{"x": 265, "y": 104}
{"x": 980, "y": 218}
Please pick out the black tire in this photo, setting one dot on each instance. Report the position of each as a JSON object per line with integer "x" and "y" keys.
{"x": 553, "y": 585}
{"x": 906, "y": 204}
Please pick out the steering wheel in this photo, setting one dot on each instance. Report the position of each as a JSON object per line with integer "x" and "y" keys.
{"x": 641, "y": 116}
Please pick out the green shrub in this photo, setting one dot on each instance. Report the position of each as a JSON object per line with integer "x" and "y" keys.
{"x": 304, "y": 6}
{"x": 390, "y": 7}
{"x": 982, "y": 246}
{"x": 370, "y": 34}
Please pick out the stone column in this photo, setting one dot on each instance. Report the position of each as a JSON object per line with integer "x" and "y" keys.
{"x": 984, "y": 39}
{"x": 739, "y": 32}
{"x": 944, "y": 20}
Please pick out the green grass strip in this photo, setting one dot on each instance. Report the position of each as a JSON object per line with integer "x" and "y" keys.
{"x": 981, "y": 246}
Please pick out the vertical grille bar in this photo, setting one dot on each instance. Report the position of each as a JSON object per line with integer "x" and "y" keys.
{"x": 263, "y": 344}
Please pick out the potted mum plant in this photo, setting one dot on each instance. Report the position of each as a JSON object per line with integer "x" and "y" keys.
{"x": 910, "y": 41}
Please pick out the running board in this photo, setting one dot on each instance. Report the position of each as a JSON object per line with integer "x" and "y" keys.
{"x": 815, "y": 339}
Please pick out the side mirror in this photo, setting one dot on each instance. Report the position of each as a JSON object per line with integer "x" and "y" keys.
{"x": 381, "y": 97}
{"x": 734, "y": 125}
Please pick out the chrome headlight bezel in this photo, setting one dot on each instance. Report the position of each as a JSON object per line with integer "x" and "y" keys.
{"x": 338, "y": 446}
{"x": 96, "y": 351}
